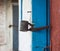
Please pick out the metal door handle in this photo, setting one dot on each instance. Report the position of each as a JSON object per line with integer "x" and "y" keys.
{"x": 12, "y": 26}
{"x": 37, "y": 29}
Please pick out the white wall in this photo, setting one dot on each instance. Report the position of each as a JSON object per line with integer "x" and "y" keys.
{"x": 25, "y": 38}
{"x": 5, "y": 20}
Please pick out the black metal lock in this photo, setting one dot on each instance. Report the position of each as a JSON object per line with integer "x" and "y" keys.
{"x": 24, "y": 25}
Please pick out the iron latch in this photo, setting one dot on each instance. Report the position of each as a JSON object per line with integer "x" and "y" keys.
{"x": 24, "y": 26}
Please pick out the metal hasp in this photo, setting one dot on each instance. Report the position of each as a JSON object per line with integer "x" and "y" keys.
{"x": 24, "y": 26}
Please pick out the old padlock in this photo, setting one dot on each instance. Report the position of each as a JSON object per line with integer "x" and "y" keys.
{"x": 24, "y": 25}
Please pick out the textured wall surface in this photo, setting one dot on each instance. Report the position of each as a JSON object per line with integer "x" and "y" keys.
{"x": 5, "y": 21}
{"x": 2, "y": 23}
{"x": 55, "y": 23}
{"x": 3, "y": 42}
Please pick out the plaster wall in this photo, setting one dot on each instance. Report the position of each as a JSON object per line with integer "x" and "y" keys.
{"x": 5, "y": 21}
{"x": 55, "y": 23}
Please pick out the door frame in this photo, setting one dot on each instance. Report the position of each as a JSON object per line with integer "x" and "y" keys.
{"x": 9, "y": 21}
{"x": 15, "y": 35}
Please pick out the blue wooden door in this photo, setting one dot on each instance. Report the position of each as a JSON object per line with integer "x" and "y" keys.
{"x": 40, "y": 18}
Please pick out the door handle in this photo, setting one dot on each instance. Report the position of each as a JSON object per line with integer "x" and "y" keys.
{"x": 24, "y": 26}
{"x": 40, "y": 28}
{"x": 12, "y": 26}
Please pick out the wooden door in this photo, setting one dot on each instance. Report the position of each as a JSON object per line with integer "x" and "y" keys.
{"x": 40, "y": 18}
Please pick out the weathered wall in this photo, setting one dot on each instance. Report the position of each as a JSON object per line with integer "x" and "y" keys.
{"x": 55, "y": 23}
{"x": 5, "y": 21}
{"x": 3, "y": 37}
{"x": 2, "y": 23}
